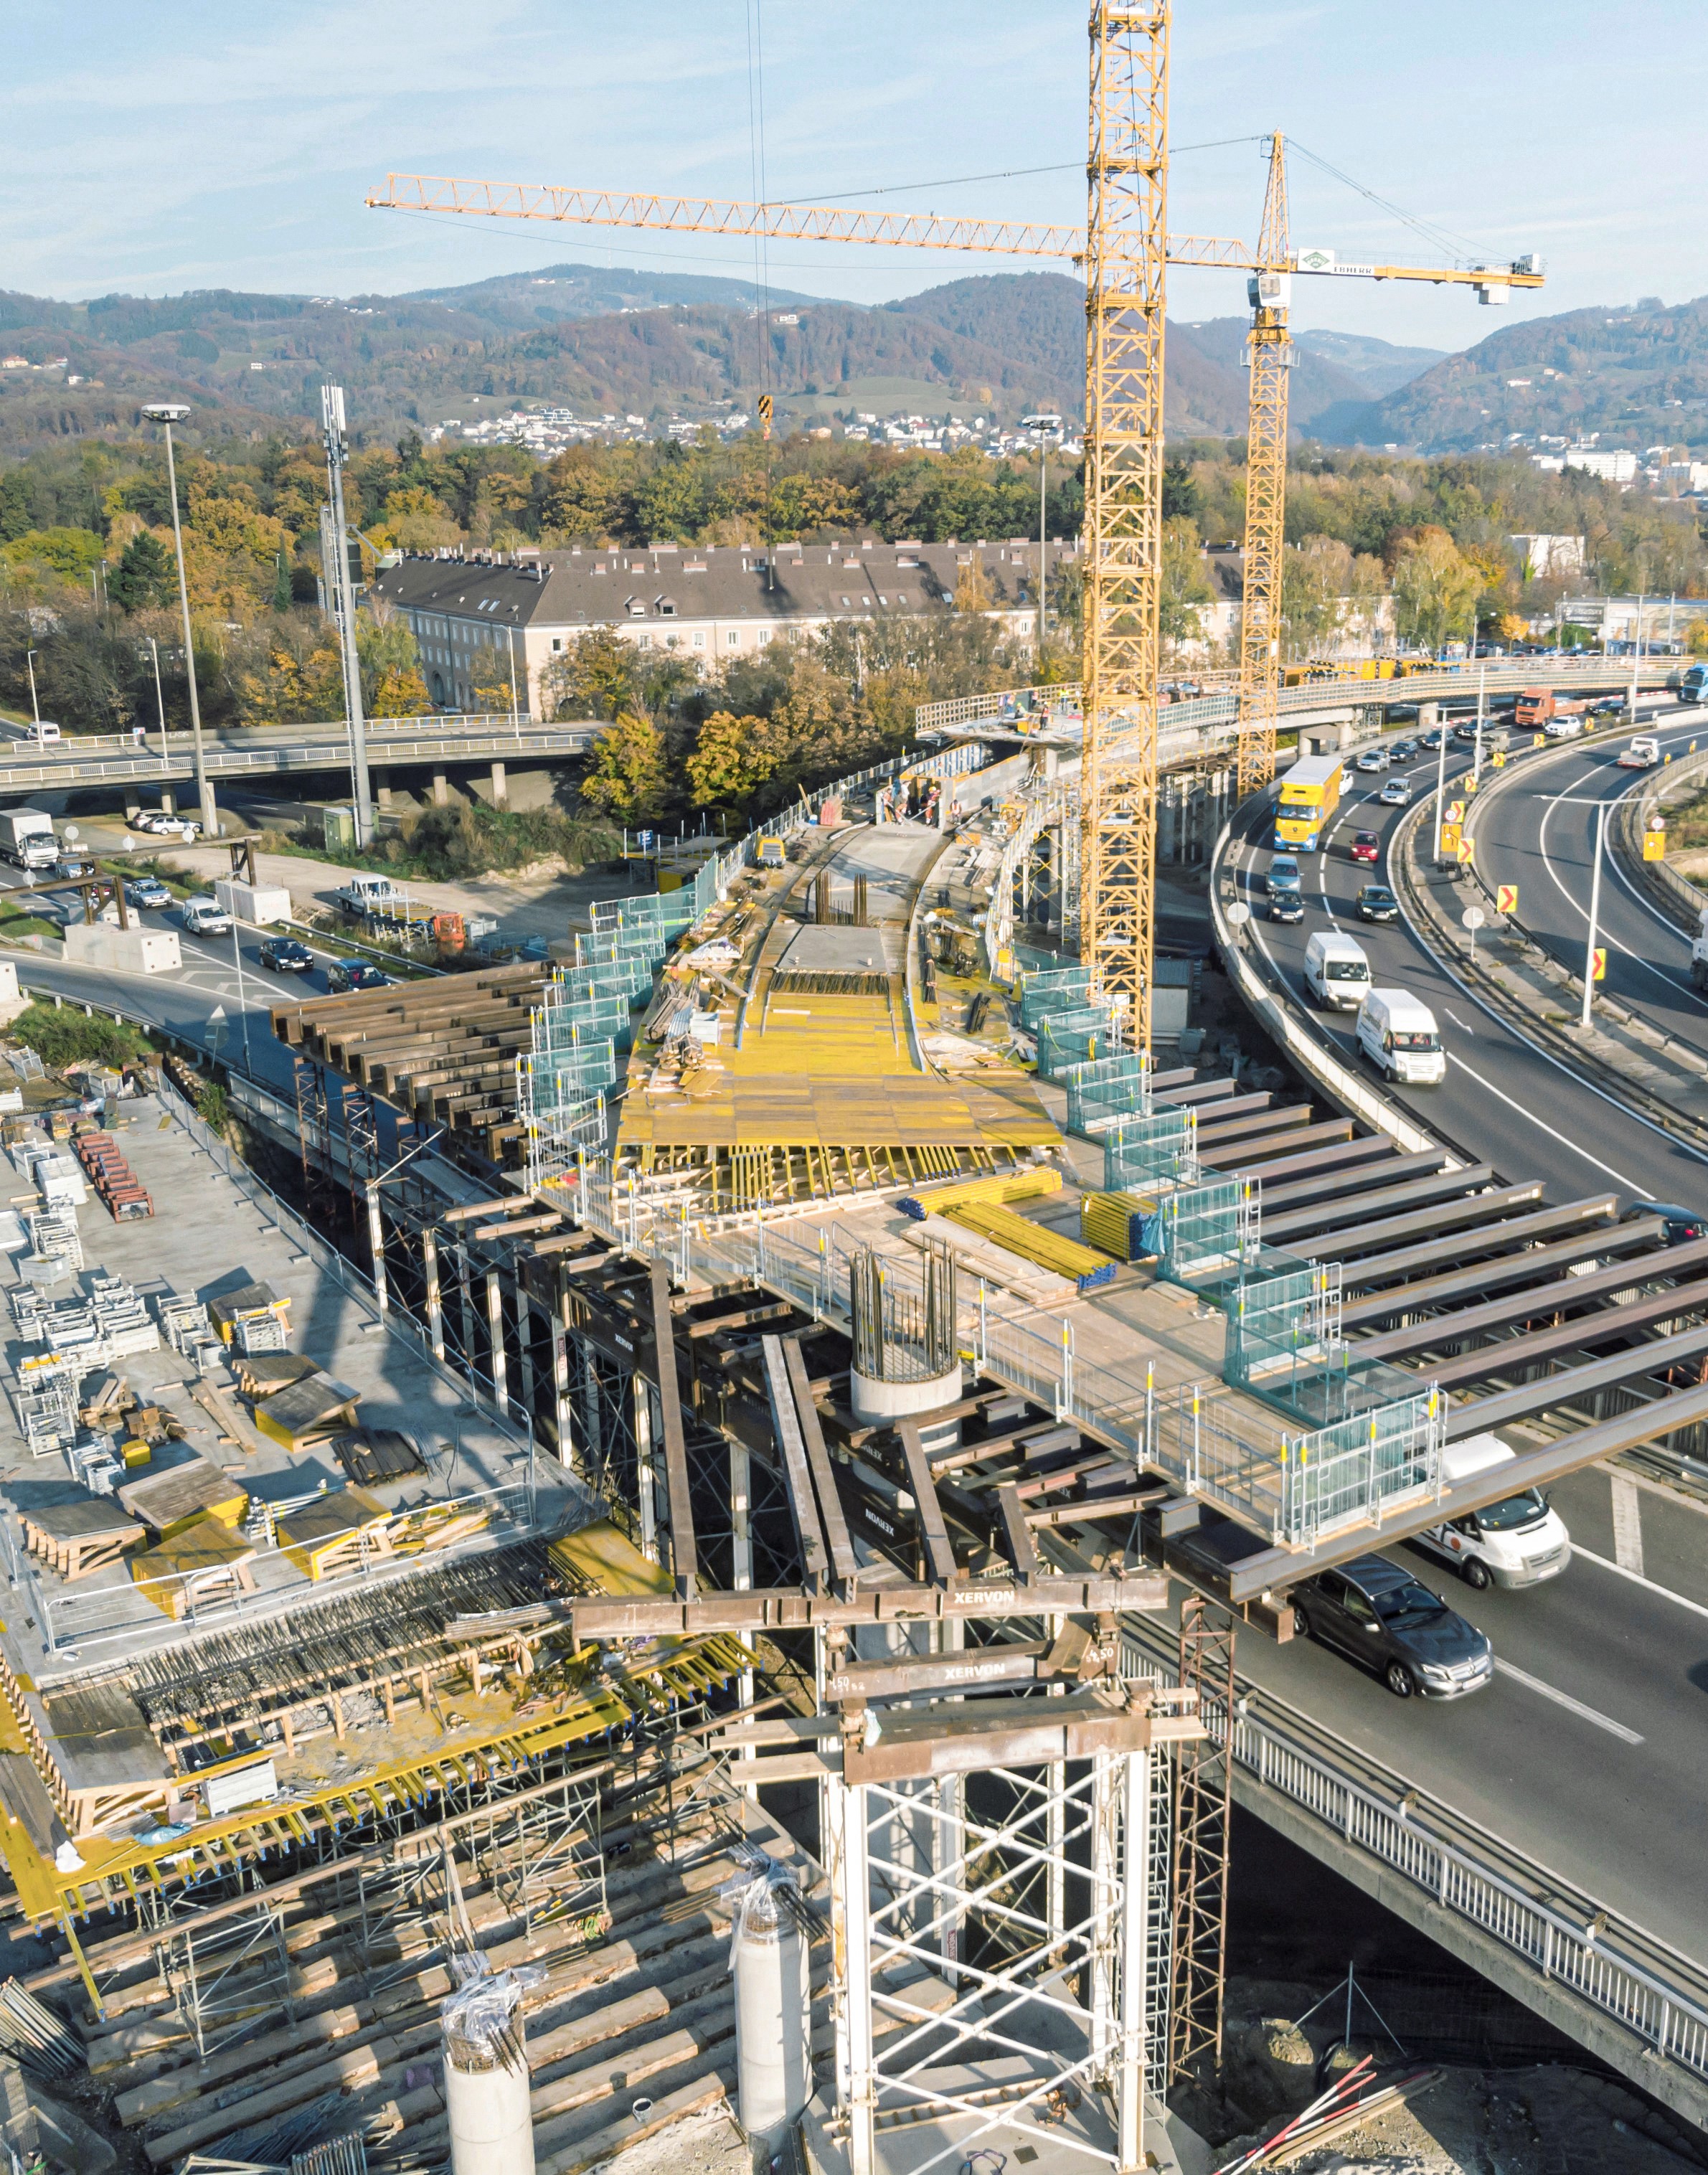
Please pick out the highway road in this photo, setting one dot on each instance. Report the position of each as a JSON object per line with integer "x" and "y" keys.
{"x": 1502, "y": 1101}
{"x": 1540, "y": 834}
{"x": 1588, "y": 1751}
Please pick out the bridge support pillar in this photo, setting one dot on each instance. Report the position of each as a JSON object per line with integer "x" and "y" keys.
{"x": 133, "y": 801}
{"x": 439, "y": 795}
{"x": 1428, "y": 715}
{"x": 169, "y": 803}
{"x": 500, "y": 791}
{"x": 382, "y": 786}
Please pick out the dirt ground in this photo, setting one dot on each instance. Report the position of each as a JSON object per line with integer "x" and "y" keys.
{"x": 1545, "y": 2118}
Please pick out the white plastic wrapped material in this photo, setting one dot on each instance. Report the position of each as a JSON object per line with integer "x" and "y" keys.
{"x": 477, "y": 2016}
{"x": 768, "y": 1957}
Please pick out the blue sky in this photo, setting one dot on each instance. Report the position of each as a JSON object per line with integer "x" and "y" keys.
{"x": 155, "y": 150}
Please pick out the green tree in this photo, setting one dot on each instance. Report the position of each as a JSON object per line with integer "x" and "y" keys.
{"x": 733, "y": 757}
{"x": 1434, "y": 588}
{"x": 144, "y": 574}
{"x": 625, "y": 779}
{"x": 1314, "y": 578}
{"x": 596, "y": 676}
{"x": 392, "y": 686}
{"x": 1185, "y": 585}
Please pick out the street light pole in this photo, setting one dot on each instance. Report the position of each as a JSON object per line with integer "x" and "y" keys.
{"x": 35, "y": 707}
{"x": 1589, "y": 959}
{"x": 343, "y": 605}
{"x": 168, "y": 413}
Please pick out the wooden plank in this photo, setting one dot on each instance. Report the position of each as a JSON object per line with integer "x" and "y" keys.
{"x": 843, "y": 1560}
{"x": 796, "y": 1474}
{"x": 1021, "y": 1546}
{"x": 934, "y": 1532}
{"x": 684, "y": 1554}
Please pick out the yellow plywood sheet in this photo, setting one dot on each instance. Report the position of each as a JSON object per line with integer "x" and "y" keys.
{"x": 600, "y": 1560}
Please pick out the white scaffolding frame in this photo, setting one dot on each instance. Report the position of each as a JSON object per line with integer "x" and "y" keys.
{"x": 1062, "y": 1845}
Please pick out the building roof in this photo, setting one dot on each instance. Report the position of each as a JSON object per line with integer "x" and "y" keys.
{"x": 578, "y": 586}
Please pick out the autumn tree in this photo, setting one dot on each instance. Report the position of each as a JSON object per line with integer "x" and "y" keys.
{"x": 625, "y": 779}
{"x": 733, "y": 757}
{"x": 1435, "y": 588}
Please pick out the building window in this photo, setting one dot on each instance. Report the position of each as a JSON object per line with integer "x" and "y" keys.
{"x": 699, "y": 642}
{"x": 645, "y": 640}
{"x": 557, "y": 641}
{"x": 732, "y": 638}
{"x": 763, "y": 634}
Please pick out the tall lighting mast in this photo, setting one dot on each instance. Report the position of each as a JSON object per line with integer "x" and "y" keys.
{"x": 1127, "y": 257}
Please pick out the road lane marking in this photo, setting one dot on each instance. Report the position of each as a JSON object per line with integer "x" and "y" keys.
{"x": 1628, "y": 1524}
{"x": 1636, "y": 1577}
{"x": 1630, "y": 1185}
{"x": 1582, "y": 912}
{"x": 1566, "y": 1700}
{"x": 1456, "y": 1021}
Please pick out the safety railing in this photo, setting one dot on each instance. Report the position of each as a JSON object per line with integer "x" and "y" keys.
{"x": 1358, "y": 1470}
{"x": 1617, "y": 1968}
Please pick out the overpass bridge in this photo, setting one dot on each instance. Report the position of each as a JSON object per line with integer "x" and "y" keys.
{"x": 261, "y": 752}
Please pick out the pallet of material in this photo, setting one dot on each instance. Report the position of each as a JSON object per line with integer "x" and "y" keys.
{"x": 75, "y": 1537}
{"x": 112, "y": 1177}
{"x": 373, "y": 1455}
{"x": 1035, "y": 1242}
{"x": 1029, "y": 1184}
{"x": 308, "y": 1412}
{"x": 1114, "y": 1224}
{"x": 983, "y": 1258}
{"x": 259, "y": 1373}
{"x": 337, "y": 1533}
{"x": 199, "y": 1563}
{"x": 178, "y": 1494}
{"x": 231, "y": 1307}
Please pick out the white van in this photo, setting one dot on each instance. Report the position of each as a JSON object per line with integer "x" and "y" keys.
{"x": 1337, "y": 973}
{"x": 1398, "y": 1033}
{"x": 206, "y": 917}
{"x": 43, "y": 734}
{"x": 1518, "y": 1542}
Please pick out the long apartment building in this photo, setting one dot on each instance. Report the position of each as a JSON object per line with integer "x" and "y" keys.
{"x": 709, "y": 604}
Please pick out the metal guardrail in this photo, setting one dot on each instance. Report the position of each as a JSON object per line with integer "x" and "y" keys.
{"x": 414, "y": 743}
{"x": 1606, "y": 1960}
{"x": 1206, "y": 722}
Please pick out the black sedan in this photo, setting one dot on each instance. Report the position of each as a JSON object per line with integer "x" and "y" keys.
{"x": 356, "y": 974}
{"x": 1381, "y": 1617}
{"x": 1376, "y": 902}
{"x": 285, "y": 955}
{"x": 1286, "y": 906}
{"x": 1682, "y": 1225}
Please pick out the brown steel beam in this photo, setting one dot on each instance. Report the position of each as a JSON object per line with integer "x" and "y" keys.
{"x": 685, "y": 1558}
{"x": 923, "y": 1491}
{"x": 1411, "y": 1195}
{"x": 1516, "y": 1231}
{"x": 1477, "y": 1208}
{"x": 1443, "y": 1329}
{"x": 1565, "y": 1389}
{"x": 1573, "y": 1335}
{"x": 1333, "y": 1186}
{"x": 793, "y": 1608}
{"x": 1489, "y": 1276}
{"x": 843, "y": 1563}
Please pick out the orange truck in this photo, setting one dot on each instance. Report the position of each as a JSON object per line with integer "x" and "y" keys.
{"x": 1541, "y": 706}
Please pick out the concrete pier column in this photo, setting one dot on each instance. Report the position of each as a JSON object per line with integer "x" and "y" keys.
{"x": 501, "y": 792}
{"x": 495, "y": 1330}
{"x": 439, "y": 796}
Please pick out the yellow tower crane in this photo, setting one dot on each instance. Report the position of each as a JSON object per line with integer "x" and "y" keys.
{"x": 1124, "y": 250}
{"x": 1269, "y": 357}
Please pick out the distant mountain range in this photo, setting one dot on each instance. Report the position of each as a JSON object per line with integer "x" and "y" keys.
{"x": 598, "y": 339}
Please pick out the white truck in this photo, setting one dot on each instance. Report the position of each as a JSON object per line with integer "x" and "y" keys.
{"x": 1398, "y": 1033}
{"x": 1642, "y": 753}
{"x": 27, "y": 839}
{"x": 362, "y": 895}
{"x": 206, "y": 917}
{"x": 1518, "y": 1542}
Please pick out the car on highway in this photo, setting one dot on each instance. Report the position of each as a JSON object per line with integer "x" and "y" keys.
{"x": 204, "y": 916}
{"x": 1286, "y": 906}
{"x": 1376, "y": 902}
{"x": 72, "y": 865}
{"x": 1565, "y": 728}
{"x": 144, "y": 819}
{"x": 1395, "y": 794}
{"x": 356, "y": 974}
{"x": 1404, "y": 750}
{"x": 1397, "y": 1032}
{"x": 1284, "y": 875}
{"x": 1682, "y": 1225}
{"x": 147, "y": 891}
{"x": 1367, "y": 846}
{"x": 1608, "y": 706}
{"x": 1373, "y": 759}
{"x": 285, "y": 955}
{"x": 1381, "y": 1617}
{"x": 1432, "y": 738}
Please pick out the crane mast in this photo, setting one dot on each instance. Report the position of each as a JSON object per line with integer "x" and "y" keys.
{"x": 1269, "y": 357}
{"x": 1127, "y": 257}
